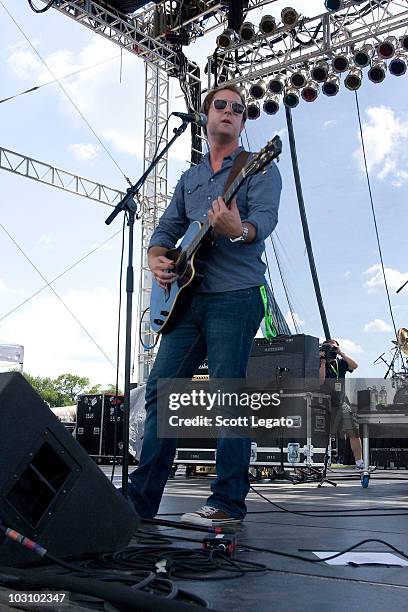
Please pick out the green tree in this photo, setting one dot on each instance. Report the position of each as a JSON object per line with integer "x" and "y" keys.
{"x": 63, "y": 390}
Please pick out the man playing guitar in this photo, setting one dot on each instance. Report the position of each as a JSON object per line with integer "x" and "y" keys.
{"x": 222, "y": 314}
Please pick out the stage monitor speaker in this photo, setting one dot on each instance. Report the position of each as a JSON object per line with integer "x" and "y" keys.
{"x": 50, "y": 490}
{"x": 286, "y": 362}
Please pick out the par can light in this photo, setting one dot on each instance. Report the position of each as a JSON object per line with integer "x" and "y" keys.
{"x": 310, "y": 91}
{"x": 362, "y": 57}
{"x": 253, "y": 109}
{"x": 289, "y": 16}
{"x": 267, "y": 25}
{"x": 291, "y": 97}
{"x": 298, "y": 79}
{"x": 398, "y": 65}
{"x": 354, "y": 79}
{"x": 331, "y": 86}
{"x": 277, "y": 84}
{"x": 257, "y": 90}
{"x": 387, "y": 48}
{"x": 271, "y": 104}
{"x": 320, "y": 71}
{"x": 376, "y": 74}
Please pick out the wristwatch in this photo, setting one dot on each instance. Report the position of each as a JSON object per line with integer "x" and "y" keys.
{"x": 243, "y": 236}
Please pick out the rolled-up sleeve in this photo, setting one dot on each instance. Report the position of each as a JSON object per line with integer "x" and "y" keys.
{"x": 173, "y": 223}
{"x": 263, "y": 198}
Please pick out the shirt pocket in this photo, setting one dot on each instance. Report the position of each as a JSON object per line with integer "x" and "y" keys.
{"x": 194, "y": 199}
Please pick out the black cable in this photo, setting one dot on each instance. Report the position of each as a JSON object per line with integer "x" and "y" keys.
{"x": 66, "y": 93}
{"x": 115, "y": 429}
{"x": 37, "y": 10}
{"x": 57, "y": 295}
{"x": 36, "y": 87}
{"x": 291, "y": 310}
{"x": 339, "y": 554}
{"x": 376, "y": 226}
{"x": 59, "y": 276}
{"x": 344, "y": 513}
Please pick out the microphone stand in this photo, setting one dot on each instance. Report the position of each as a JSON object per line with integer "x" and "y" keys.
{"x": 129, "y": 207}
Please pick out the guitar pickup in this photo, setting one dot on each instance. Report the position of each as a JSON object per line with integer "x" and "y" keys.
{"x": 158, "y": 321}
{"x": 164, "y": 313}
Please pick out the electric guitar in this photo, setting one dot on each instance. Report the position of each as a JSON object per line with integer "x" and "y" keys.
{"x": 164, "y": 303}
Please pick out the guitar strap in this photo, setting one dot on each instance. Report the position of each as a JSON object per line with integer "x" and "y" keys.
{"x": 239, "y": 163}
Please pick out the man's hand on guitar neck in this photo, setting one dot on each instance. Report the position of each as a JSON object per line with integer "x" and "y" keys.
{"x": 226, "y": 220}
{"x": 160, "y": 266}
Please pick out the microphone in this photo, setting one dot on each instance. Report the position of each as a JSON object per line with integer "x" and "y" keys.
{"x": 193, "y": 117}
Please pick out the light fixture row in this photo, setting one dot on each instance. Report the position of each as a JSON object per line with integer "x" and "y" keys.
{"x": 247, "y": 32}
{"x": 306, "y": 85}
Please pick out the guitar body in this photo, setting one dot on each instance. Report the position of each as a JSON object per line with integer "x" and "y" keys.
{"x": 165, "y": 303}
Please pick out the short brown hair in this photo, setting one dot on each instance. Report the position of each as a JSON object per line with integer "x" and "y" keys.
{"x": 332, "y": 340}
{"x": 211, "y": 93}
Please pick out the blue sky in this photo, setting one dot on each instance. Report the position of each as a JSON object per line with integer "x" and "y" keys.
{"x": 55, "y": 228}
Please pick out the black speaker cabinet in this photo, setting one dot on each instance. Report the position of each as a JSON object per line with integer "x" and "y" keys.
{"x": 286, "y": 362}
{"x": 97, "y": 417}
{"x": 50, "y": 490}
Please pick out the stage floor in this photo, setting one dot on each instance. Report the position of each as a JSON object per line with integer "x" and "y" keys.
{"x": 292, "y": 584}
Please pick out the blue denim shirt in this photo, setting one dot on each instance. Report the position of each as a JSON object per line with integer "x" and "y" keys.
{"x": 229, "y": 265}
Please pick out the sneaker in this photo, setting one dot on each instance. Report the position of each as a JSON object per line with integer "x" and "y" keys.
{"x": 210, "y": 517}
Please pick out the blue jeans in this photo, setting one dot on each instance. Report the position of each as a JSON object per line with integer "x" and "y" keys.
{"x": 221, "y": 326}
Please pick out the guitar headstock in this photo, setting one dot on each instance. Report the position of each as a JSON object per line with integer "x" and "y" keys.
{"x": 269, "y": 152}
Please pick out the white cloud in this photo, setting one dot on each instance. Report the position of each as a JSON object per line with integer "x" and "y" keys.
{"x": 347, "y": 274}
{"x": 3, "y": 286}
{"x": 84, "y": 152}
{"x": 376, "y": 282}
{"x": 46, "y": 241}
{"x": 386, "y": 143}
{"x": 329, "y": 123}
{"x": 54, "y": 342}
{"x": 378, "y": 325}
{"x": 349, "y": 347}
{"x": 289, "y": 319}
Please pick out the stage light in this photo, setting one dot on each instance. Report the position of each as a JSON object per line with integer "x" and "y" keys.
{"x": 247, "y": 32}
{"x": 267, "y": 25}
{"x": 227, "y": 39}
{"x": 310, "y": 91}
{"x": 291, "y": 97}
{"x": 340, "y": 62}
{"x": 271, "y": 104}
{"x": 253, "y": 109}
{"x": 398, "y": 65}
{"x": 277, "y": 84}
{"x": 243, "y": 91}
{"x": 404, "y": 42}
{"x": 257, "y": 90}
{"x": 353, "y": 79}
{"x": 333, "y": 5}
{"x": 362, "y": 57}
{"x": 320, "y": 71}
{"x": 289, "y": 16}
{"x": 376, "y": 74}
{"x": 331, "y": 86}
{"x": 298, "y": 79}
{"x": 387, "y": 48}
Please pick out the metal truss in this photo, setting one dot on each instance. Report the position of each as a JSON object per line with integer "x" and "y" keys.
{"x": 310, "y": 40}
{"x": 202, "y": 17}
{"x": 49, "y": 175}
{"x": 130, "y": 34}
{"x": 155, "y": 199}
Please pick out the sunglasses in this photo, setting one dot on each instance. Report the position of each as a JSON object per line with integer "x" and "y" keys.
{"x": 236, "y": 107}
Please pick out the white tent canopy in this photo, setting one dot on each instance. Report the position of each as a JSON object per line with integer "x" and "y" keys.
{"x": 13, "y": 353}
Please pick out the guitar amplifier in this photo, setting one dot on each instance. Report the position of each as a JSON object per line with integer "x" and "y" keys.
{"x": 286, "y": 362}
{"x": 95, "y": 428}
